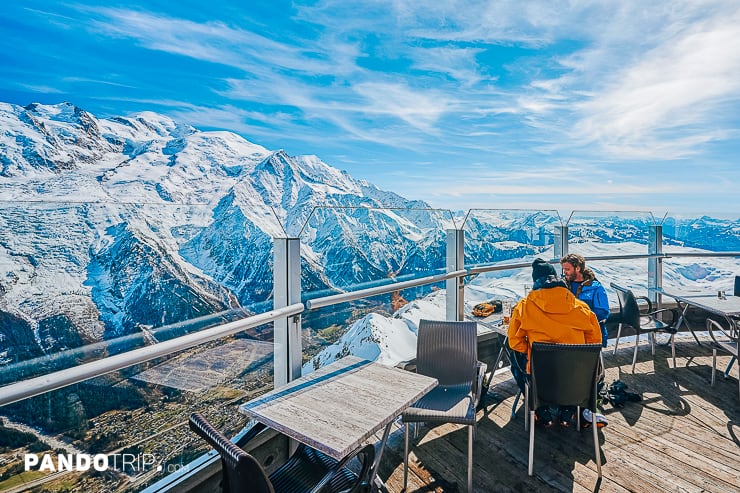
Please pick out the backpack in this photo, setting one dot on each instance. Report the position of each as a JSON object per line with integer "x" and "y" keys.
{"x": 487, "y": 308}
{"x": 617, "y": 394}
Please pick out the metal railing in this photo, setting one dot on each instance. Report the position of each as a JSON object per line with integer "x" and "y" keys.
{"x": 39, "y": 385}
{"x": 35, "y": 386}
{"x": 388, "y": 288}
{"x": 28, "y": 388}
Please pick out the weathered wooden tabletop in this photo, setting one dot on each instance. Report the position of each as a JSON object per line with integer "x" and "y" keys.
{"x": 338, "y": 407}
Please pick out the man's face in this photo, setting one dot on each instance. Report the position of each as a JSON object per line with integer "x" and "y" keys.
{"x": 570, "y": 273}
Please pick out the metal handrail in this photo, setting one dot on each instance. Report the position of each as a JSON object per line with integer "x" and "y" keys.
{"x": 35, "y": 386}
{"x": 523, "y": 265}
{"x": 493, "y": 268}
{"x": 46, "y": 383}
{"x": 635, "y": 256}
{"x": 701, "y": 254}
{"x": 364, "y": 293}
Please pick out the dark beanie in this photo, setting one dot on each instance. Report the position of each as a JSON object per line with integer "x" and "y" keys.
{"x": 540, "y": 268}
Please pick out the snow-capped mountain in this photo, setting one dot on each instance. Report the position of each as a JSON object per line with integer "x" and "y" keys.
{"x": 386, "y": 339}
{"x": 111, "y": 226}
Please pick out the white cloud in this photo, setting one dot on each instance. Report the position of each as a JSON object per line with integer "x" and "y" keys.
{"x": 420, "y": 110}
{"x": 672, "y": 99}
{"x": 619, "y": 85}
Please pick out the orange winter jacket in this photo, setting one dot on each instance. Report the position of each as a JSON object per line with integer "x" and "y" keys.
{"x": 551, "y": 315}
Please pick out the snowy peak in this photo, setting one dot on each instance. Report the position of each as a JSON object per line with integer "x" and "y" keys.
{"x": 303, "y": 181}
{"x": 65, "y": 113}
{"x": 226, "y": 199}
{"x": 388, "y": 340}
{"x": 43, "y": 139}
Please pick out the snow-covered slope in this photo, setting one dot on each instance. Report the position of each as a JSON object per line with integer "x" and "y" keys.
{"x": 108, "y": 226}
{"x": 112, "y": 224}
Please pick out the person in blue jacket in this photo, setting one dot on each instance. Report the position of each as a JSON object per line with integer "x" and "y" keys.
{"x": 583, "y": 284}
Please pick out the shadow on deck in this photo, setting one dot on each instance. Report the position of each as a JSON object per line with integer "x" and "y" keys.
{"x": 683, "y": 436}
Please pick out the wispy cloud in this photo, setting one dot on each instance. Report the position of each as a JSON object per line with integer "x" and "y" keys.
{"x": 672, "y": 100}
{"x": 214, "y": 41}
{"x": 643, "y": 106}
{"x": 441, "y": 97}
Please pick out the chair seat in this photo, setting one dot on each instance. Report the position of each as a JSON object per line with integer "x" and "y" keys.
{"x": 728, "y": 346}
{"x": 650, "y": 324}
{"x": 448, "y": 351}
{"x": 643, "y": 323}
{"x": 724, "y": 338}
{"x": 562, "y": 374}
{"x": 444, "y": 403}
{"x": 306, "y": 468}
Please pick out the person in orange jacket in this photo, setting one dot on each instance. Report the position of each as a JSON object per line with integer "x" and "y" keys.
{"x": 549, "y": 313}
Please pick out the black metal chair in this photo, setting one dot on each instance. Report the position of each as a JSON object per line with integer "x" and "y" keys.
{"x": 307, "y": 470}
{"x": 724, "y": 338}
{"x": 563, "y": 375}
{"x": 643, "y": 323}
{"x": 447, "y": 351}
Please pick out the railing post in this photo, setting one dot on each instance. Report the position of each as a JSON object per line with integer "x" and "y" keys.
{"x": 286, "y": 291}
{"x": 560, "y": 248}
{"x": 655, "y": 265}
{"x": 456, "y": 285}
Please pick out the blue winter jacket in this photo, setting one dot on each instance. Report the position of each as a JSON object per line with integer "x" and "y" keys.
{"x": 593, "y": 294}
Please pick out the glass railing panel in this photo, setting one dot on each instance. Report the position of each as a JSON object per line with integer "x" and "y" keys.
{"x": 606, "y": 232}
{"x": 715, "y": 232}
{"x": 113, "y": 277}
{"x": 354, "y": 248}
{"x": 83, "y": 281}
{"x": 385, "y": 333}
{"x": 688, "y": 239}
{"x": 125, "y": 430}
{"x": 497, "y": 237}
{"x": 596, "y": 234}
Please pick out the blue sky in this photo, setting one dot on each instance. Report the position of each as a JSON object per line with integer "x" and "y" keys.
{"x": 609, "y": 105}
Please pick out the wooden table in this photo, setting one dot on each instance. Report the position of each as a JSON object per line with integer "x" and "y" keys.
{"x": 338, "y": 407}
{"x": 727, "y": 307}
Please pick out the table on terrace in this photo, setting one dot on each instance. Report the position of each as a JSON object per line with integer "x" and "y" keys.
{"x": 726, "y": 306}
{"x": 489, "y": 327}
{"x": 339, "y": 406}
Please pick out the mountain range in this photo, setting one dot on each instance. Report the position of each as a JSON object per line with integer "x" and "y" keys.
{"x": 113, "y": 226}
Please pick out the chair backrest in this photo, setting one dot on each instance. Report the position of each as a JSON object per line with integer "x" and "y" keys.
{"x": 241, "y": 471}
{"x": 629, "y": 311}
{"x": 564, "y": 374}
{"x": 447, "y": 350}
{"x": 724, "y": 332}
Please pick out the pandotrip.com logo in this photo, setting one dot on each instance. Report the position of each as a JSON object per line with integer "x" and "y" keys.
{"x": 125, "y": 463}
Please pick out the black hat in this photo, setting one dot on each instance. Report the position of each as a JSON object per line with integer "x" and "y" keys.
{"x": 540, "y": 268}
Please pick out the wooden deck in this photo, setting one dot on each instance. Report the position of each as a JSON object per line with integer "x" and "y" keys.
{"x": 683, "y": 437}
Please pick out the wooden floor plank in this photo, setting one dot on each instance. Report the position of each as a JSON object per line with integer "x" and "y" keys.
{"x": 683, "y": 436}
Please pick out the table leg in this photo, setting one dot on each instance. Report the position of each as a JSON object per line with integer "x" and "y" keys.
{"x": 682, "y": 320}
{"x": 375, "y": 483}
{"x": 486, "y": 392}
{"x": 729, "y": 367}
{"x": 500, "y": 352}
